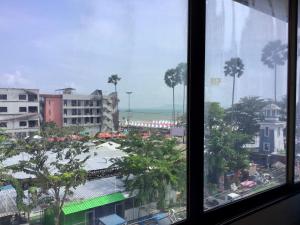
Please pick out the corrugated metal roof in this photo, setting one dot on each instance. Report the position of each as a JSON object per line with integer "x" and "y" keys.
{"x": 92, "y": 203}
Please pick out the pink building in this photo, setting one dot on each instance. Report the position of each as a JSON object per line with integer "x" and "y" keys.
{"x": 51, "y": 109}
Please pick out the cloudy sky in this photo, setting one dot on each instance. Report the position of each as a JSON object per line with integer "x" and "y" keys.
{"x": 77, "y": 43}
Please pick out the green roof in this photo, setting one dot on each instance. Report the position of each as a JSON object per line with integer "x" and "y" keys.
{"x": 74, "y": 207}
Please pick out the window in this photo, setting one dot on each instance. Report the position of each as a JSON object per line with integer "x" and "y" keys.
{"x": 74, "y": 121}
{"x": 3, "y": 97}
{"x": 240, "y": 51}
{"x": 22, "y": 109}
{"x": 22, "y": 97}
{"x": 22, "y": 123}
{"x": 3, "y": 124}
{"x": 266, "y": 147}
{"x": 33, "y": 109}
{"x": 120, "y": 47}
{"x": 3, "y": 109}
{"x": 266, "y": 131}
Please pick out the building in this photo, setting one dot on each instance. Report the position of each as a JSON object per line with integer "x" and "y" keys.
{"x": 271, "y": 131}
{"x": 51, "y": 109}
{"x": 110, "y": 112}
{"x": 82, "y": 110}
{"x": 19, "y": 111}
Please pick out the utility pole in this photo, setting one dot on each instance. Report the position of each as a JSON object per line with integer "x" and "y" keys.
{"x": 128, "y": 112}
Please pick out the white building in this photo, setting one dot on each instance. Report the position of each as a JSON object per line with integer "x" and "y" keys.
{"x": 19, "y": 111}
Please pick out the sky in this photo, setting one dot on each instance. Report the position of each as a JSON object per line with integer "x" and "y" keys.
{"x": 76, "y": 43}
{"x": 243, "y": 36}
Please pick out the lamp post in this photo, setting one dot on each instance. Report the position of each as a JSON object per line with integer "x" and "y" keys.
{"x": 128, "y": 112}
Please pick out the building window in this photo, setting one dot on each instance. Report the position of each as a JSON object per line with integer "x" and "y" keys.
{"x": 3, "y": 109}
{"x": 22, "y": 97}
{"x": 33, "y": 109}
{"x": 74, "y": 112}
{"x": 22, "y": 123}
{"x": 231, "y": 111}
{"x": 32, "y": 97}
{"x": 266, "y": 131}
{"x": 74, "y": 121}
{"x": 98, "y": 120}
{"x": 65, "y": 112}
{"x": 3, "y": 124}
{"x": 266, "y": 147}
{"x": 86, "y": 120}
{"x": 74, "y": 103}
{"x": 65, "y": 121}
{"x": 98, "y": 103}
{"x": 79, "y": 120}
{"x": 32, "y": 123}
{"x": 65, "y": 102}
{"x": 22, "y": 109}
{"x": 3, "y": 97}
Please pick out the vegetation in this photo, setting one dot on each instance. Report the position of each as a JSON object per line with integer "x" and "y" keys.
{"x": 224, "y": 144}
{"x": 148, "y": 169}
{"x": 57, "y": 177}
{"x": 182, "y": 71}
{"x": 172, "y": 79}
{"x": 234, "y": 68}
{"x": 274, "y": 54}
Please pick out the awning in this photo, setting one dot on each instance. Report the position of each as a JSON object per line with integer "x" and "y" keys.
{"x": 75, "y": 207}
{"x": 113, "y": 219}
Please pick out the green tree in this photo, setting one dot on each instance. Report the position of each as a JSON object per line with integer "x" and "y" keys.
{"x": 224, "y": 146}
{"x": 247, "y": 114}
{"x": 148, "y": 169}
{"x": 234, "y": 68}
{"x": 274, "y": 54}
{"x": 182, "y": 71}
{"x": 172, "y": 79}
{"x": 59, "y": 175}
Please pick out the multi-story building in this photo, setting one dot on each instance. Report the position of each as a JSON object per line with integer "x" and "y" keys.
{"x": 110, "y": 112}
{"x": 19, "y": 111}
{"x": 82, "y": 110}
{"x": 51, "y": 109}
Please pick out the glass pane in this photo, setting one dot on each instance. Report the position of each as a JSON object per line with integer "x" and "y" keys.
{"x": 245, "y": 99}
{"x": 297, "y": 141}
{"x": 93, "y": 111}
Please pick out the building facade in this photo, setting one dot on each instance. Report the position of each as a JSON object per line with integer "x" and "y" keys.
{"x": 51, "y": 109}
{"x": 19, "y": 111}
{"x": 82, "y": 110}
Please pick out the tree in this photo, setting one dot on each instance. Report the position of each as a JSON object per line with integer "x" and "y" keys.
{"x": 114, "y": 79}
{"x": 274, "y": 54}
{"x": 224, "y": 146}
{"x": 182, "y": 71}
{"x": 234, "y": 68}
{"x": 148, "y": 169}
{"x": 172, "y": 79}
{"x": 57, "y": 176}
{"x": 247, "y": 113}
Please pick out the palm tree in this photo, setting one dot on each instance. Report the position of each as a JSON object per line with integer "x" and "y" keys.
{"x": 182, "y": 71}
{"x": 172, "y": 79}
{"x": 273, "y": 55}
{"x": 234, "y": 68}
{"x": 114, "y": 79}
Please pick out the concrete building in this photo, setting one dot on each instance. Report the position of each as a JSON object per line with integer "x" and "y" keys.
{"x": 110, "y": 113}
{"x": 82, "y": 110}
{"x": 51, "y": 109}
{"x": 19, "y": 111}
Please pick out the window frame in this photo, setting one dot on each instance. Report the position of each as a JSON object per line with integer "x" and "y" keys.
{"x": 230, "y": 212}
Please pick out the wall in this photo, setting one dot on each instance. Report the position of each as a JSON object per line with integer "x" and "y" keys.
{"x": 286, "y": 212}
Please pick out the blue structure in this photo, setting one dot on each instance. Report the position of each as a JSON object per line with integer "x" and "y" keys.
{"x": 271, "y": 134}
{"x": 113, "y": 219}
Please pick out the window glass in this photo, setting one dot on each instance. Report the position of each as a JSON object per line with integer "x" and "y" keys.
{"x": 245, "y": 98}
{"x": 3, "y": 97}
{"x": 105, "y": 87}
